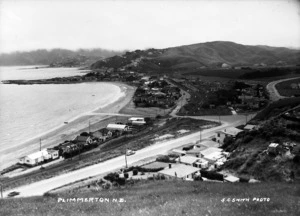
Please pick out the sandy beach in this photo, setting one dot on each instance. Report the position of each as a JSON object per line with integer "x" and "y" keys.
{"x": 98, "y": 118}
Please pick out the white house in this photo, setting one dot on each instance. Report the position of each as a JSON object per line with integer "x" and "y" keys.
{"x": 35, "y": 158}
{"x": 187, "y": 159}
{"x": 117, "y": 127}
{"x": 137, "y": 121}
{"x": 227, "y": 132}
{"x": 201, "y": 163}
{"x": 53, "y": 153}
{"x": 179, "y": 171}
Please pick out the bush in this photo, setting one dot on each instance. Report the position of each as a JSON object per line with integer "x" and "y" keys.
{"x": 198, "y": 178}
{"x": 248, "y": 139}
{"x": 84, "y": 134}
{"x": 106, "y": 186}
{"x": 244, "y": 179}
{"x": 126, "y": 175}
{"x": 212, "y": 175}
{"x": 296, "y": 159}
{"x": 135, "y": 172}
{"x": 112, "y": 177}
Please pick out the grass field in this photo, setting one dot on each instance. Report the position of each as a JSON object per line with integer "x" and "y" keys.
{"x": 166, "y": 198}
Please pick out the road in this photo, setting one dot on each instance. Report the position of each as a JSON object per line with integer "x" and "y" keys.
{"x": 39, "y": 188}
{"x": 271, "y": 87}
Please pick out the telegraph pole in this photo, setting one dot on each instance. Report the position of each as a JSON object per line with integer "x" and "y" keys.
{"x": 89, "y": 127}
{"x": 1, "y": 185}
{"x": 126, "y": 158}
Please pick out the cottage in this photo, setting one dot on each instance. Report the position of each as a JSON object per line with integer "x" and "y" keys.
{"x": 187, "y": 159}
{"x": 273, "y": 148}
{"x": 137, "y": 121}
{"x": 249, "y": 127}
{"x": 35, "y": 158}
{"x": 228, "y": 132}
{"x": 53, "y": 153}
{"x": 83, "y": 140}
{"x": 102, "y": 134}
{"x": 201, "y": 163}
{"x": 179, "y": 152}
{"x": 117, "y": 127}
{"x": 179, "y": 171}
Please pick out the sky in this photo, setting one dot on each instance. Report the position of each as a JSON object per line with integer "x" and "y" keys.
{"x": 118, "y": 24}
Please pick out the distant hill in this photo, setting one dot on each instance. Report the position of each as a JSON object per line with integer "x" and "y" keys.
{"x": 203, "y": 55}
{"x": 56, "y": 57}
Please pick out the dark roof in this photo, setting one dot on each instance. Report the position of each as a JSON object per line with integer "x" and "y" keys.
{"x": 81, "y": 138}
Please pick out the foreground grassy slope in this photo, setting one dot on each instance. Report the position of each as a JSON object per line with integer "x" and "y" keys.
{"x": 167, "y": 198}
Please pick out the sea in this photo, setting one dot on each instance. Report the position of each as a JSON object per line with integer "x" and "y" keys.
{"x": 29, "y": 110}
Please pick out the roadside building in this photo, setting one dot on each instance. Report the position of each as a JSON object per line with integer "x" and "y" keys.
{"x": 102, "y": 134}
{"x": 179, "y": 152}
{"x": 227, "y": 132}
{"x": 201, "y": 163}
{"x": 250, "y": 127}
{"x": 83, "y": 140}
{"x": 180, "y": 171}
{"x": 117, "y": 127}
{"x": 187, "y": 160}
{"x": 208, "y": 143}
{"x": 196, "y": 151}
{"x": 35, "y": 158}
{"x": 53, "y": 153}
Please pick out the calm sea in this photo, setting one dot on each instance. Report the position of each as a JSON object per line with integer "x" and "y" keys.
{"x": 29, "y": 110}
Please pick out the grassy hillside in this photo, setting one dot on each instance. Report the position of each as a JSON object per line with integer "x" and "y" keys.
{"x": 166, "y": 198}
{"x": 250, "y": 157}
{"x": 210, "y": 54}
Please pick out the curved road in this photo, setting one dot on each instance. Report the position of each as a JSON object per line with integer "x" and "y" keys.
{"x": 271, "y": 87}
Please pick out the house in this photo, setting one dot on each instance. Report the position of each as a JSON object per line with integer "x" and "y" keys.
{"x": 273, "y": 148}
{"x": 180, "y": 171}
{"x": 102, "y": 134}
{"x": 208, "y": 143}
{"x": 196, "y": 151}
{"x": 53, "y": 153}
{"x": 227, "y": 132}
{"x": 231, "y": 179}
{"x": 117, "y": 127}
{"x": 212, "y": 154}
{"x": 35, "y": 158}
{"x": 83, "y": 140}
{"x": 137, "y": 121}
{"x": 187, "y": 159}
{"x": 179, "y": 152}
{"x": 201, "y": 163}
{"x": 250, "y": 127}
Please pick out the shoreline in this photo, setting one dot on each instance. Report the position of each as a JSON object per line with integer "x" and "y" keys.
{"x": 68, "y": 131}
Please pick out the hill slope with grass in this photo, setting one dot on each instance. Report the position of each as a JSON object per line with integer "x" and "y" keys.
{"x": 165, "y": 198}
{"x": 195, "y": 56}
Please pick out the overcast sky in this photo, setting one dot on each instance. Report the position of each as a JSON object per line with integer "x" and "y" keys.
{"x": 118, "y": 25}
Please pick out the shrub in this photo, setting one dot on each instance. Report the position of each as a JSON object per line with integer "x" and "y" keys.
{"x": 296, "y": 159}
{"x": 84, "y": 134}
{"x": 212, "y": 175}
{"x": 198, "y": 178}
{"x": 248, "y": 139}
{"x": 126, "y": 175}
{"x": 135, "y": 172}
{"x": 244, "y": 179}
{"x": 106, "y": 186}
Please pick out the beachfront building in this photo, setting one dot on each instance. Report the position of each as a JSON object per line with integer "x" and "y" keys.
{"x": 102, "y": 134}
{"x": 83, "y": 140}
{"x": 117, "y": 127}
{"x": 35, "y": 158}
{"x": 53, "y": 153}
{"x": 137, "y": 121}
{"x": 227, "y": 132}
{"x": 180, "y": 171}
